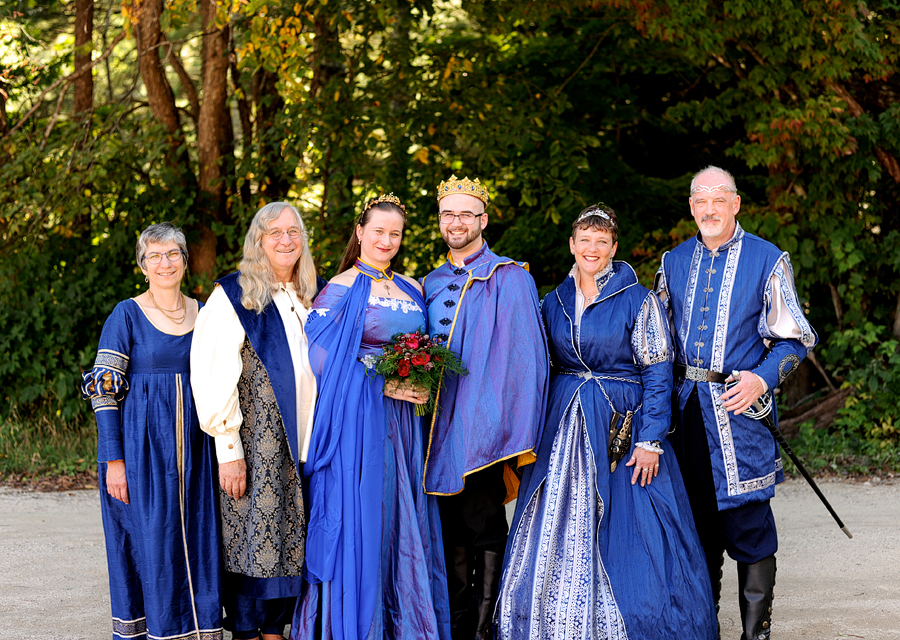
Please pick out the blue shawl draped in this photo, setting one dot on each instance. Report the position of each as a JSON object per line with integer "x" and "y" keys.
{"x": 345, "y": 463}
{"x": 268, "y": 337}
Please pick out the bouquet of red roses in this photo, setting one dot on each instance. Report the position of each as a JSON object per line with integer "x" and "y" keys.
{"x": 418, "y": 360}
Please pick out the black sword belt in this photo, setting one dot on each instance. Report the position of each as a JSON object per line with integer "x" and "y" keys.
{"x": 696, "y": 373}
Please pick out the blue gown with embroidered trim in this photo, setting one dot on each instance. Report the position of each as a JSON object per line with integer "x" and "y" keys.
{"x": 591, "y": 556}
{"x": 162, "y": 547}
{"x": 407, "y": 595}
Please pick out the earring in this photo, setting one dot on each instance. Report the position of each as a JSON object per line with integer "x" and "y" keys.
{"x": 146, "y": 279}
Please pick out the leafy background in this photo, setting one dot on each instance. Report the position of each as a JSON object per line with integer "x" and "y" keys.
{"x": 200, "y": 111}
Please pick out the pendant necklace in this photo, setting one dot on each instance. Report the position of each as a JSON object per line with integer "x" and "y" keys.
{"x": 290, "y": 297}
{"x": 383, "y": 276}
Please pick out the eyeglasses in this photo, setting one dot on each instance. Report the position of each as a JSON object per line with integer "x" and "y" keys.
{"x": 276, "y": 234}
{"x": 174, "y": 256}
{"x": 466, "y": 218}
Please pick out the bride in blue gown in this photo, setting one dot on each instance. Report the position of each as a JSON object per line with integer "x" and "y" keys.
{"x": 595, "y": 553}
{"x": 374, "y": 555}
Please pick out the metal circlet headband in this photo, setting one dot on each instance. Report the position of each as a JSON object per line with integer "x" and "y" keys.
{"x": 702, "y": 188}
{"x": 594, "y": 211}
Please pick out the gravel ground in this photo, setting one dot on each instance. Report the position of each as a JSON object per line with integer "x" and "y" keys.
{"x": 53, "y": 581}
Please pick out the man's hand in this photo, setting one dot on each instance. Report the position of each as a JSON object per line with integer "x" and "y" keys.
{"x": 646, "y": 466}
{"x": 233, "y": 478}
{"x": 116, "y": 484}
{"x": 747, "y": 391}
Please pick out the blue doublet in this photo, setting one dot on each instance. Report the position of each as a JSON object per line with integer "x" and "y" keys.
{"x": 488, "y": 309}
{"x": 719, "y": 301}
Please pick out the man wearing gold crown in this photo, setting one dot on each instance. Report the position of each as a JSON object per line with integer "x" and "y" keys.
{"x": 487, "y": 307}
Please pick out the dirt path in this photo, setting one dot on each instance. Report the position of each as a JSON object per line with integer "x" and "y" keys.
{"x": 53, "y": 581}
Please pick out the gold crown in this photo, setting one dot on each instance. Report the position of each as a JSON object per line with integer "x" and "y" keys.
{"x": 466, "y": 186}
{"x": 384, "y": 197}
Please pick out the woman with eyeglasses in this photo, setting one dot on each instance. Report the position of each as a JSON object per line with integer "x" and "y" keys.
{"x": 156, "y": 466}
{"x": 255, "y": 394}
{"x": 374, "y": 555}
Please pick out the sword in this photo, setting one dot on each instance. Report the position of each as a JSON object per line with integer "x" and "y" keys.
{"x": 762, "y": 411}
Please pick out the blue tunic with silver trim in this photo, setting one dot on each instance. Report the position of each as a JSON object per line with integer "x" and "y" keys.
{"x": 726, "y": 306}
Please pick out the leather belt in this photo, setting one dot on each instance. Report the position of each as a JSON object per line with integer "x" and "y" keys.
{"x": 697, "y": 374}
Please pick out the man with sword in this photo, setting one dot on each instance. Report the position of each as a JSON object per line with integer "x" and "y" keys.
{"x": 733, "y": 306}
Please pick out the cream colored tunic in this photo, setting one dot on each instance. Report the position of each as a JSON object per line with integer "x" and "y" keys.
{"x": 216, "y": 369}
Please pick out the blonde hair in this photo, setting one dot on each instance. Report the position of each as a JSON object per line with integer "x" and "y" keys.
{"x": 257, "y": 279}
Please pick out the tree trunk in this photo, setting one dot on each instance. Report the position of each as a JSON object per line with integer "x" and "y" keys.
{"x": 4, "y": 120}
{"x": 241, "y": 93}
{"x": 211, "y": 138}
{"x": 159, "y": 92}
{"x": 84, "y": 31}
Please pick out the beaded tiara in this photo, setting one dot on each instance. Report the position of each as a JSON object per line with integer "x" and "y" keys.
{"x": 595, "y": 210}
{"x": 466, "y": 186}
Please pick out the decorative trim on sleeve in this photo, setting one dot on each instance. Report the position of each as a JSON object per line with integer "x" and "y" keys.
{"x": 100, "y": 381}
{"x": 787, "y": 366}
{"x": 650, "y": 337}
{"x": 104, "y": 403}
{"x": 113, "y": 360}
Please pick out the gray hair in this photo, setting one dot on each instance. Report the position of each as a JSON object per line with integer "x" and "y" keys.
{"x": 729, "y": 179}
{"x": 257, "y": 279}
{"x": 161, "y": 233}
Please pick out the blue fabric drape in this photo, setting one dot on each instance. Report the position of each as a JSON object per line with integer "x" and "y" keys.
{"x": 345, "y": 464}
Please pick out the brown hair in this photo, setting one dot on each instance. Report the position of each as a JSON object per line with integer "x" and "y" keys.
{"x": 351, "y": 253}
{"x": 598, "y": 216}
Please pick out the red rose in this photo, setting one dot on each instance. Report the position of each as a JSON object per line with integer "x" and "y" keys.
{"x": 398, "y": 348}
{"x": 420, "y": 358}
{"x": 412, "y": 342}
{"x": 403, "y": 368}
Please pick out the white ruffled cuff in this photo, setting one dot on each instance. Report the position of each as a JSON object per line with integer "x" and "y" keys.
{"x": 650, "y": 445}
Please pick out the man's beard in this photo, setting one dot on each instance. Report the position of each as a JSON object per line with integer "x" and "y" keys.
{"x": 460, "y": 241}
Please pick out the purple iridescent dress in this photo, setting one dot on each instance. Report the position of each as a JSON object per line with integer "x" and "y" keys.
{"x": 409, "y": 599}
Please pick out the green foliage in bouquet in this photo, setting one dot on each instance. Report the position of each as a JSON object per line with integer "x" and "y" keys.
{"x": 416, "y": 360}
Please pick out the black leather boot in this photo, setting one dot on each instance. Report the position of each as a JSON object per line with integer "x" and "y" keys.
{"x": 756, "y": 583}
{"x": 458, "y": 586}
{"x": 714, "y": 562}
{"x": 486, "y": 592}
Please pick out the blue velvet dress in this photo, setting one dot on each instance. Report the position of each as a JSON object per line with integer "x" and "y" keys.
{"x": 396, "y": 586}
{"x": 162, "y": 547}
{"x": 591, "y": 556}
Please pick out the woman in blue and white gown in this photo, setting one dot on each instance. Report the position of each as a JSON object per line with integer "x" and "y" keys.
{"x": 597, "y": 553}
{"x": 157, "y": 468}
{"x": 374, "y": 555}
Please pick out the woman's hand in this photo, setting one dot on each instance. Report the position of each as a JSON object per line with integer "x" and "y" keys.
{"x": 116, "y": 484}
{"x": 404, "y": 391}
{"x": 233, "y": 478}
{"x": 646, "y": 466}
